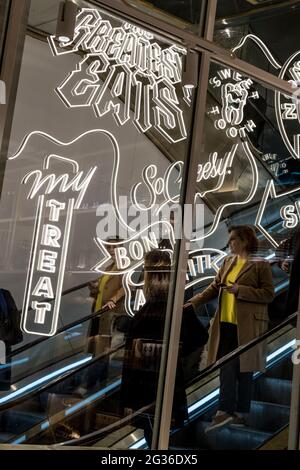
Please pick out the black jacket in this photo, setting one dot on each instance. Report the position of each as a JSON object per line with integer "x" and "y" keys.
{"x": 142, "y": 358}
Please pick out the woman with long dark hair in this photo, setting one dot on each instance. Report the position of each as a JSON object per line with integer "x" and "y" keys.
{"x": 144, "y": 340}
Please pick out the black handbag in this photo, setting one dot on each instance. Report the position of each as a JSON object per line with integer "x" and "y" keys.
{"x": 193, "y": 334}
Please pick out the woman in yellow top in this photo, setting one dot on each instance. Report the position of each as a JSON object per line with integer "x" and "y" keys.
{"x": 244, "y": 287}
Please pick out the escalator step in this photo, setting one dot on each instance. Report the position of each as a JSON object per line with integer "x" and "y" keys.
{"x": 231, "y": 437}
{"x": 268, "y": 417}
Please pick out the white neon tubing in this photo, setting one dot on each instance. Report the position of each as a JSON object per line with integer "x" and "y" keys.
{"x": 31, "y": 264}
{"x": 270, "y": 190}
{"x": 250, "y": 196}
{"x": 61, "y": 271}
{"x": 227, "y": 164}
{"x": 278, "y": 110}
{"x": 45, "y": 378}
{"x": 101, "y": 245}
{"x": 262, "y": 47}
{"x": 116, "y": 151}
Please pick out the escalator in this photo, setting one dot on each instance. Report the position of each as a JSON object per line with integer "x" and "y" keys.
{"x": 55, "y": 411}
{"x": 269, "y": 414}
{"x": 270, "y": 406}
{"x": 43, "y": 360}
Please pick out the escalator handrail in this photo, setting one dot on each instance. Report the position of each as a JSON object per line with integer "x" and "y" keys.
{"x": 242, "y": 349}
{"x": 58, "y": 379}
{"x": 202, "y": 374}
{"x": 110, "y": 427}
{"x": 70, "y": 325}
{"x": 59, "y": 331}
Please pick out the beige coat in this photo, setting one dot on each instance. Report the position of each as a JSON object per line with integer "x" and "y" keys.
{"x": 255, "y": 291}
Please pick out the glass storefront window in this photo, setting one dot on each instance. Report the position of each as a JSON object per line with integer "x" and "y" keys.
{"x": 184, "y": 14}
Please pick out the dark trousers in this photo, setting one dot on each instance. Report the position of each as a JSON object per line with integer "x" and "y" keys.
{"x": 235, "y": 386}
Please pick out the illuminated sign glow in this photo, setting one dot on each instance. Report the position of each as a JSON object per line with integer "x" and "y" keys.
{"x": 57, "y": 198}
{"x": 158, "y": 186}
{"x": 252, "y": 189}
{"x": 130, "y": 252}
{"x": 262, "y": 47}
{"x": 216, "y": 168}
{"x": 123, "y": 63}
{"x": 235, "y": 91}
{"x": 287, "y": 108}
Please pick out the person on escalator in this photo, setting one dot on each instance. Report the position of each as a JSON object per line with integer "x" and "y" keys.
{"x": 244, "y": 287}
{"x": 107, "y": 292}
{"x": 289, "y": 260}
{"x": 143, "y": 346}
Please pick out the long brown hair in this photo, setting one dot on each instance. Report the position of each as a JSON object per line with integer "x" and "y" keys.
{"x": 157, "y": 274}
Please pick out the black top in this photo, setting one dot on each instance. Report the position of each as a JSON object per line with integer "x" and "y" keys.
{"x": 143, "y": 353}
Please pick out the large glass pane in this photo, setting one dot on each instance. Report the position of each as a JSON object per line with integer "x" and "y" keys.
{"x": 248, "y": 182}
{"x": 91, "y": 196}
{"x": 184, "y": 14}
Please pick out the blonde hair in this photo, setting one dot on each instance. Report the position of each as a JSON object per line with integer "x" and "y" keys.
{"x": 157, "y": 274}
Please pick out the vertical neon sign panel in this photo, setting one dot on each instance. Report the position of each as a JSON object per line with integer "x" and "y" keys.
{"x": 58, "y": 195}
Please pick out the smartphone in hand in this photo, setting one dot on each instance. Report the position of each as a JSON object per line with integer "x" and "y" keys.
{"x": 222, "y": 285}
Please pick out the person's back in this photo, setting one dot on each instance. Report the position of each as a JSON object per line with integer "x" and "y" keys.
{"x": 139, "y": 384}
{"x": 143, "y": 348}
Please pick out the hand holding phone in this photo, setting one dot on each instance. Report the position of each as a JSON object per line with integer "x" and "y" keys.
{"x": 222, "y": 285}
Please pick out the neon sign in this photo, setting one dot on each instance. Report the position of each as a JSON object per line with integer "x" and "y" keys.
{"x": 235, "y": 91}
{"x": 58, "y": 195}
{"x": 204, "y": 262}
{"x": 111, "y": 55}
{"x": 158, "y": 186}
{"x": 287, "y": 108}
{"x": 212, "y": 171}
{"x": 289, "y": 213}
{"x": 129, "y": 253}
{"x": 123, "y": 63}
{"x": 216, "y": 168}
